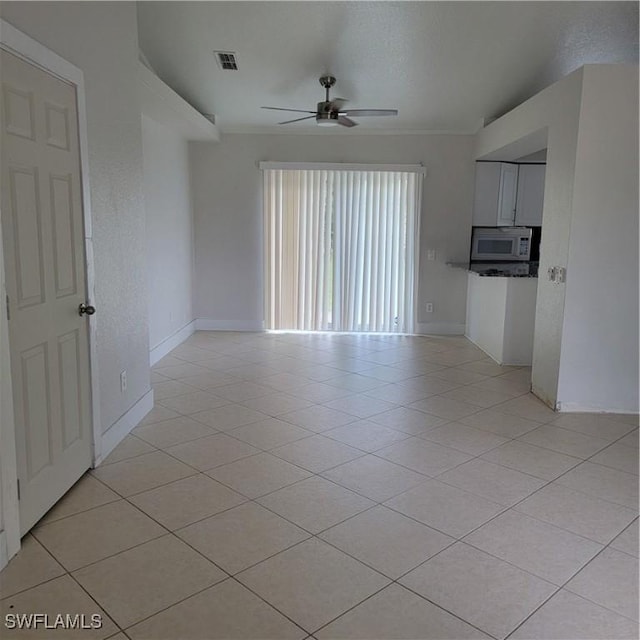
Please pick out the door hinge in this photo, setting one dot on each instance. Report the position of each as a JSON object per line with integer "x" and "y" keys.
{"x": 18, "y": 488}
{"x": 8, "y": 311}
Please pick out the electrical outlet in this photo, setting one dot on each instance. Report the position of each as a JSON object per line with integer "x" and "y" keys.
{"x": 557, "y": 275}
{"x": 431, "y": 254}
{"x": 123, "y": 381}
{"x": 428, "y": 307}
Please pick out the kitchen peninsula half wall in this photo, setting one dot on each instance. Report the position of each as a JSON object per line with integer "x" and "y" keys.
{"x": 501, "y": 313}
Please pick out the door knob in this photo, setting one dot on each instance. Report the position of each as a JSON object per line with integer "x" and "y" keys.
{"x": 86, "y": 308}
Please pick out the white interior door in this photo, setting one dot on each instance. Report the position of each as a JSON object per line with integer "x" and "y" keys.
{"x": 43, "y": 234}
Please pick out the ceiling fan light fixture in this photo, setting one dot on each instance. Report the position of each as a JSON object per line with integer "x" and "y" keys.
{"x": 327, "y": 118}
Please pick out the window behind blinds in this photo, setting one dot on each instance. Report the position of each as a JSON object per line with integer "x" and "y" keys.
{"x": 340, "y": 249}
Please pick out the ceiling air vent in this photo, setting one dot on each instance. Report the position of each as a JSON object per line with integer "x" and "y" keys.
{"x": 227, "y": 60}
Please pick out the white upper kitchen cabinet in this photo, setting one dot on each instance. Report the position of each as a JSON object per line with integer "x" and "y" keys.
{"x": 495, "y": 194}
{"x": 530, "y": 195}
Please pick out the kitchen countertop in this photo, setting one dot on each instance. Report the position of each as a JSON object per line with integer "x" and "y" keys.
{"x": 499, "y": 269}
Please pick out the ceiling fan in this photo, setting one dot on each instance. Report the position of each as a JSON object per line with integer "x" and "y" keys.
{"x": 330, "y": 112}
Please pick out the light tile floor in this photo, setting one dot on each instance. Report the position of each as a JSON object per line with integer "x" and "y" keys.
{"x": 373, "y": 487}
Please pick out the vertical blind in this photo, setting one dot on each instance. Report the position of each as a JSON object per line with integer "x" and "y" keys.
{"x": 340, "y": 249}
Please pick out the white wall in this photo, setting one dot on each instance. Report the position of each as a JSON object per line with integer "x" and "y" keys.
{"x": 169, "y": 230}
{"x": 101, "y": 39}
{"x": 589, "y": 175}
{"x": 227, "y": 199}
{"x": 486, "y": 314}
{"x": 599, "y": 362}
{"x": 552, "y": 117}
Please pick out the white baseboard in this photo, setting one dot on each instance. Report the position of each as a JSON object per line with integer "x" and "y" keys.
{"x": 579, "y": 407}
{"x": 169, "y": 344}
{"x": 210, "y": 324}
{"x": 123, "y": 426}
{"x": 440, "y": 328}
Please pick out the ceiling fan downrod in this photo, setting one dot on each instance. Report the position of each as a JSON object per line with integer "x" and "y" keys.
{"x": 327, "y": 82}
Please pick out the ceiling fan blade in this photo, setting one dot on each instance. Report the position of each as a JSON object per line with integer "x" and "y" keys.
{"x": 370, "y": 112}
{"x": 338, "y": 103}
{"x": 297, "y": 119}
{"x": 283, "y": 109}
{"x": 346, "y": 122}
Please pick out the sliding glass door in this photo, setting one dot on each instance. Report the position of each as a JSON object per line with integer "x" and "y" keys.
{"x": 340, "y": 248}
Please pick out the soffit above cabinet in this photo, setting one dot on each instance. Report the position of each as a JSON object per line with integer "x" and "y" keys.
{"x": 161, "y": 103}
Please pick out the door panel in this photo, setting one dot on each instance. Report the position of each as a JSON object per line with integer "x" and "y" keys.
{"x": 43, "y": 234}
{"x": 19, "y": 112}
{"x": 60, "y": 190}
{"x": 57, "y": 121}
{"x": 70, "y": 391}
{"x": 35, "y": 409}
{"x": 27, "y": 235}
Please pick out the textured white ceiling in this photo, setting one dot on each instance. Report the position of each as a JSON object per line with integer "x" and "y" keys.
{"x": 444, "y": 65}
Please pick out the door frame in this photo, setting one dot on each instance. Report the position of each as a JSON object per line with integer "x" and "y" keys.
{"x": 23, "y": 46}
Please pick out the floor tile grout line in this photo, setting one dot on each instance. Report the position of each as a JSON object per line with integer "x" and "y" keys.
{"x": 195, "y": 593}
{"x": 427, "y": 477}
{"x": 391, "y": 580}
{"x": 478, "y": 456}
{"x": 190, "y": 465}
{"x": 589, "y": 460}
{"x": 608, "y": 545}
{"x": 316, "y": 533}
{"x": 172, "y": 534}
{"x": 563, "y": 586}
{"x": 515, "y": 504}
{"x": 254, "y": 455}
{"x": 33, "y": 531}
{"x": 402, "y": 586}
{"x": 163, "y": 484}
{"x": 461, "y": 541}
{"x": 233, "y": 574}
{"x": 394, "y": 580}
{"x": 110, "y": 615}
{"x": 39, "y": 584}
{"x": 112, "y": 555}
{"x": 199, "y": 520}
{"x": 455, "y": 615}
{"x": 472, "y": 457}
{"x": 209, "y": 560}
{"x": 599, "y": 604}
{"x": 175, "y": 444}
{"x": 199, "y": 473}
{"x": 257, "y": 595}
{"x": 579, "y": 535}
{"x": 509, "y": 508}
{"x": 75, "y": 513}
{"x": 454, "y": 540}
{"x": 135, "y": 506}
{"x": 215, "y": 584}
{"x": 66, "y": 572}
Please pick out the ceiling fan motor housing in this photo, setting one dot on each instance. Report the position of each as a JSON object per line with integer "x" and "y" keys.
{"x": 327, "y": 114}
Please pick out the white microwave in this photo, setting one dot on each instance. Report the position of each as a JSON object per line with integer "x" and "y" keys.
{"x": 500, "y": 243}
